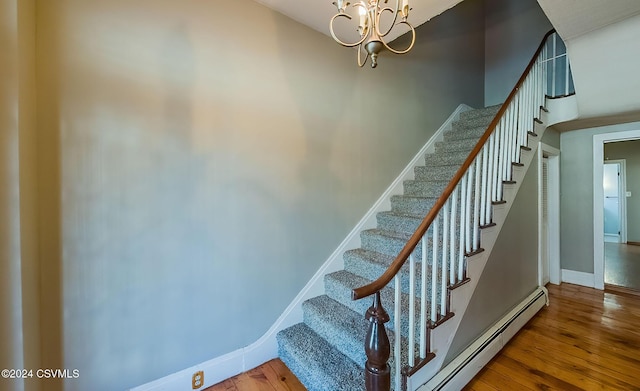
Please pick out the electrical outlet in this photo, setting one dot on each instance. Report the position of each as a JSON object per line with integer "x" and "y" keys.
{"x": 197, "y": 380}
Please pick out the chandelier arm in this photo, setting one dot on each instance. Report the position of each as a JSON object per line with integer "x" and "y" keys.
{"x": 333, "y": 34}
{"x": 395, "y": 18}
{"x": 360, "y": 62}
{"x": 413, "y": 41}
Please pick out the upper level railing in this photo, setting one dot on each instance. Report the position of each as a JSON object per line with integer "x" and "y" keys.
{"x": 450, "y": 232}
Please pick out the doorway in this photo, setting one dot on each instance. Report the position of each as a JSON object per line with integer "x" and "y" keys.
{"x": 614, "y": 201}
{"x": 548, "y": 215}
{"x": 599, "y": 141}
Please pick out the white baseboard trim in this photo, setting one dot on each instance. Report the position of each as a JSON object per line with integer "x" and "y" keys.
{"x": 578, "y": 278}
{"x": 266, "y": 348}
{"x": 463, "y": 368}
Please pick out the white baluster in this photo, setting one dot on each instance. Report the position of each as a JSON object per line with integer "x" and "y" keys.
{"x": 434, "y": 268}
{"x": 476, "y": 205}
{"x": 495, "y": 169}
{"x": 469, "y": 209}
{"x": 412, "y": 309}
{"x": 452, "y": 236}
{"x": 464, "y": 202}
{"x": 484, "y": 182}
{"x": 513, "y": 142}
{"x": 445, "y": 261}
{"x": 424, "y": 297}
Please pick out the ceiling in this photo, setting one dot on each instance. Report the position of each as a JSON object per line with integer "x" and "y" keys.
{"x": 317, "y": 13}
{"x": 573, "y": 18}
{"x": 601, "y": 38}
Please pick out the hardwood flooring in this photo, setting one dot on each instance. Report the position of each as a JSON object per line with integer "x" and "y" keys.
{"x": 270, "y": 376}
{"x": 585, "y": 340}
{"x": 622, "y": 266}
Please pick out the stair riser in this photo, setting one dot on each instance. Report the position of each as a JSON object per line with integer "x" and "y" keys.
{"x": 372, "y": 271}
{"x": 445, "y": 173}
{"x": 386, "y": 245}
{"x": 463, "y": 145}
{"x": 445, "y": 159}
{"x": 483, "y": 112}
{"x": 412, "y": 206}
{"x": 468, "y": 123}
{"x": 424, "y": 188}
{"x": 473, "y": 133}
{"x": 389, "y": 222}
{"x": 391, "y": 246}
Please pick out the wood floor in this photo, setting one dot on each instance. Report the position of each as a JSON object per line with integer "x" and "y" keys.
{"x": 585, "y": 340}
{"x": 270, "y": 376}
{"x": 622, "y": 265}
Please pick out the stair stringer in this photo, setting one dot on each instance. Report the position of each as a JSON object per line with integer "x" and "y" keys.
{"x": 443, "y": 335}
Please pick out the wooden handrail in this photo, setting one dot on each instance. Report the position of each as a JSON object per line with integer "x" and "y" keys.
{"x": 396, "y": 265}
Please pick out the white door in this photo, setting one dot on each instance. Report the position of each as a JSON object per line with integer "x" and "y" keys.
{"x": 544, "y": 248}
{"x": 612, "y": 216}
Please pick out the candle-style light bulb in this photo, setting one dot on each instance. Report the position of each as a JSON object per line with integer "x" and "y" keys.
{"x": 363, "y": 20}
{"x": 341, "y": 5}
{"x": 404, "y": 10}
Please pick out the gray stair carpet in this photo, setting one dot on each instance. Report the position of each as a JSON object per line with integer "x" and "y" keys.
{"x": 326, "y": 351}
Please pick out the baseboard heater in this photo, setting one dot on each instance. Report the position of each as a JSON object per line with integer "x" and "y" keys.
{"x": 463, "y": 368}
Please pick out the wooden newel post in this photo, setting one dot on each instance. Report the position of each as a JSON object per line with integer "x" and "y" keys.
{"x": 377, "y": 347}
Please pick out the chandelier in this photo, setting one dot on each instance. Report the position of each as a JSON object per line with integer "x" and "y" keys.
{"x": 371, "y": 38}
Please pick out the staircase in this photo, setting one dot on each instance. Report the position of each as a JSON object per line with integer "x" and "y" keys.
{"x": 426, "y": 255}
{"x": 326, "y": 351}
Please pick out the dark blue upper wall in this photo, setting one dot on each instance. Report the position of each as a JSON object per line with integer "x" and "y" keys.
{"x": 514, "y": 29}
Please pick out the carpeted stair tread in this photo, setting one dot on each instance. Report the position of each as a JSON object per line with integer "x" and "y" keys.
{"x": 326, "y": 351}
{"x": 424, "y": 188}
{"x": 338, "y": 286}
{"x": 465, "y": 144}
{"x": 318, "y": 365}
{"x": 372, "y": 264}
{"x": 472, "y": 123}
{"x": 398, "y": 221}
{"x": 425, "y": 173}
{"x": 446, "y": 158}
{"x": 483, "y": 112}
{"x": 342, "y": 327}
{"x": 387, "y": 242}
{"x": 412, "y": 204}
{"x": 467, "y": 133}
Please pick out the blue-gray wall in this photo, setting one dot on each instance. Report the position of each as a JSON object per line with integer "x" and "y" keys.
{"x": 630, "y": 152}
{"x": 201, "y": 160}
{"x": 514, "y": 31}
{"x": 576, "y": 195}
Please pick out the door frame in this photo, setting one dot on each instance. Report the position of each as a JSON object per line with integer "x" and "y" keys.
{"x": 598, "y": 198}
{"x": 622, "y": 197}
{"x": 553, "y": 213}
